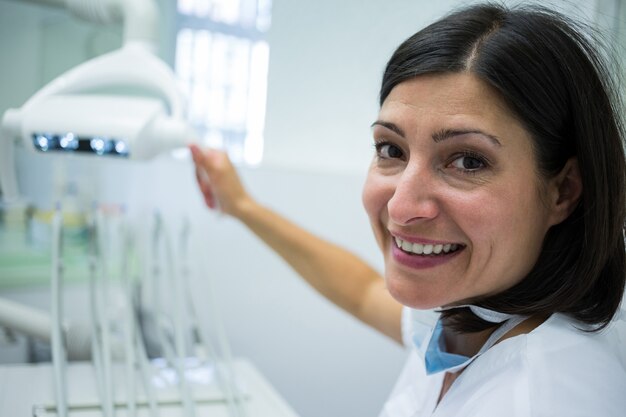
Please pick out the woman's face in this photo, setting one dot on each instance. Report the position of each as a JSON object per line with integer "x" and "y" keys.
{"x": 453, "y": 193}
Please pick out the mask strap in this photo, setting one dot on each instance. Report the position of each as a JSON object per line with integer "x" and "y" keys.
{"x": 437, "y": 361}
{"x": 501, "y": 331}
{"x": 509, "y": 320}
{"x": 484, "y": 313}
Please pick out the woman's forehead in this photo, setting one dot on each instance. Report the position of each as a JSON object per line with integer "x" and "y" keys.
{"x": 455, "y": 99}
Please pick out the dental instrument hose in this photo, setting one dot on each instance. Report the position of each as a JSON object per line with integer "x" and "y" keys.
{"x": 58, "y": 349}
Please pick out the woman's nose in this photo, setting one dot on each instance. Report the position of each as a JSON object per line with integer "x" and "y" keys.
{"x": 414, "y": 198}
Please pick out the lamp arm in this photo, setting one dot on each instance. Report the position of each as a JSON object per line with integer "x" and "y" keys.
{"x": 140, "y": 17}
{"x": 123, "y": 67}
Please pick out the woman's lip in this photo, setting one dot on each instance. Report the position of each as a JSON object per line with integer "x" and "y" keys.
{"x": 414, "y": 261}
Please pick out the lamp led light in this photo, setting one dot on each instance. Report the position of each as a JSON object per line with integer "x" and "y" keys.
{"x": 69, "y": 142}
{"x": 43, "y": 142}
{"x": 98, "y": 145}
{"x": 121, "y": 148}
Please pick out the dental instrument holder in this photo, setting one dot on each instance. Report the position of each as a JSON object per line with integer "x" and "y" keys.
{"x": 170, "y": 268}
{"x": 123, "y": 104}
{"x": 103, "y": 325}
{"x": 202, "y": 348}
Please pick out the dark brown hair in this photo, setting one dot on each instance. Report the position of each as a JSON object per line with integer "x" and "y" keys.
{"x": 549, "y": 70}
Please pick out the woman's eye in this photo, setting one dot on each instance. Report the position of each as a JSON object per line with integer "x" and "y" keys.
{"x": 388, "y": 151}
{"x": 469, "y": 163}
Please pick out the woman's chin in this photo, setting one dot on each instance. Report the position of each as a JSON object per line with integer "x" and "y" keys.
{"x": 416, "y": 298}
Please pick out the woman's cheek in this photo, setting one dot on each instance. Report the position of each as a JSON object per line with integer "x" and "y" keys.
{"x": 377, "y": 192}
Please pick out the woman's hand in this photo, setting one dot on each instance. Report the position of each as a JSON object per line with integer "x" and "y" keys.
{"x": 219, "y": 182}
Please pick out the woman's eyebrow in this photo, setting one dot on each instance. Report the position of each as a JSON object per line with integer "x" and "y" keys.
{"x": 442, "y": 134}
{"x": 449, "y": 133}
{"x": 394, "y": 128}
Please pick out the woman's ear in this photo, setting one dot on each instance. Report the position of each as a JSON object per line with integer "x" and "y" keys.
{"x": 565, "y": 191}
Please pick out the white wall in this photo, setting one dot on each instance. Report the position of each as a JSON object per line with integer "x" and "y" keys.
{"x": 326, "y": 62}
{"x": 326, "y": 65}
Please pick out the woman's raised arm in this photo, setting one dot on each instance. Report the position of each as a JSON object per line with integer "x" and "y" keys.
{"x": 334, "y": 272}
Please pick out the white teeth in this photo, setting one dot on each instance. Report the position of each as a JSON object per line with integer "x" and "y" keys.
{"x": 420, "y": 249}
{"x": 417, "y": 248}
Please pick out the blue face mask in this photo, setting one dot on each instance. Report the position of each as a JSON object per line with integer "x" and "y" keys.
{"x": 437, "y": 359}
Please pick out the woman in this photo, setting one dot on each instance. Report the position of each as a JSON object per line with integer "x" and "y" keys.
{"x": 497, "y": 195}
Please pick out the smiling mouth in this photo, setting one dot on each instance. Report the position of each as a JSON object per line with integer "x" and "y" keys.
{"x": 426, "y": 249}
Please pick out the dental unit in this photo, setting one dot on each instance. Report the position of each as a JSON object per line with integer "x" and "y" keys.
{"x": 124, "y": 104}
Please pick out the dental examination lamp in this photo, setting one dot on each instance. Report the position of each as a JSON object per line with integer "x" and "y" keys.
{"x": 123, "y": 104}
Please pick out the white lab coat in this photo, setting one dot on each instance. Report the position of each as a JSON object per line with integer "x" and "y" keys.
{"x": 555, "y": 370}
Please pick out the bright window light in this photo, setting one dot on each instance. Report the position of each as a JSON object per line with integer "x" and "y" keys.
{"x": 222, "y": 62}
